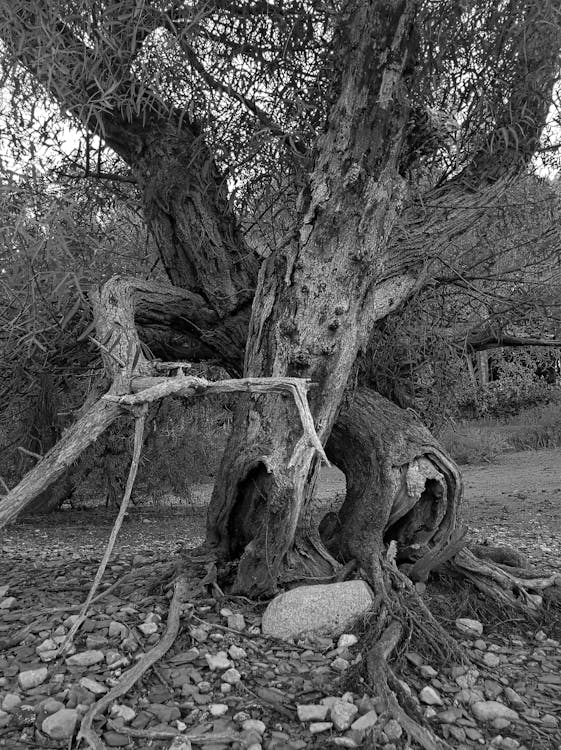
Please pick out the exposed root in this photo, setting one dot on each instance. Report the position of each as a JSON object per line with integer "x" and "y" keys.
{"x": 138, "y": 438}
{"x": 147, "y": 734}
{"x": 497, "y": 581}
{"x": 131, "y": 676}
{"x": 376, "y": 664}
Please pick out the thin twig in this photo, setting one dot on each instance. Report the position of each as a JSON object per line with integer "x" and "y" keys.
{"x": 138, "y": 439}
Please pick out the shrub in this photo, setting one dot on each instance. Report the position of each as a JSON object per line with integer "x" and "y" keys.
{"x": 474, "y": 443}
{"x": 506, "y": 398}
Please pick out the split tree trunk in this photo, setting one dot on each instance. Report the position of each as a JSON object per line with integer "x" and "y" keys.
{"x": 401, "y": 484}
{"x": 314, "y": 307}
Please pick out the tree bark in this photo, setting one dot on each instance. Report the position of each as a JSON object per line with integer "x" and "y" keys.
{"x": 401, "y": 484}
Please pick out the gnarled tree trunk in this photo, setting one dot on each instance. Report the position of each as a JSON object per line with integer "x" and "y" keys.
{"x": 315, "y": 305}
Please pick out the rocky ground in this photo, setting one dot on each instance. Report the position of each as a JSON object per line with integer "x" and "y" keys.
{"x": 223, "y": 684}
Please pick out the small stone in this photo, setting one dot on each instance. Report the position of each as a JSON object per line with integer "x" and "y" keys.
{"x": 466, "y": 626}
{"x": 415, "y": 658}
{"x": 85, "y": 658}
{"x": 218, "y": 661}
{"x": 4, "y": 718}
{"x": 123, "y": 712}
{"x": 10, "y": 701}
{"x": 236, "y": 621}
{"x": 343, "y": 742}
{"x": 235, "y": 652}
{"x": 548, "y": 720}
{"x": 320, "y": 726}
{"x": 480, "y": 644}
{"x": 51, "y": 706}
{"x": 115, "y": 739}
{"x": 199, "y": 633}
{"x": 450, "y": 716}
{"x": 231, "y": 676}
{"x": 428, "y": 672}
{"x": 429, "y": 696}
{"x": 254, "y": 725}
{"x": 218, "y": 709}
{"x": 8, "y": 603}
{"x": 60, "y": 725}
{"x": 346, "y": 640}
{"x": 312, "y": 712}
{"x": 491, "y": 660}
{"x": 148, "y": 628}
{"x": 32, "y": 678}
{"x": 342, "y": 715}
{"x": 339, "y": 664}
{"x": 365, "y": 722}
{"x": 153, "y": 617}
{"x": 93, "y": 686}
{"x": 393, "y": 730}
{"x": 489, "y": 710}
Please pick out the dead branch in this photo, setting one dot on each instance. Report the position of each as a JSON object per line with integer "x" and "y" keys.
{"x": 138, "y": 439}
{"x": 154, "y": 389}
{"x": 74, "y": 441}
{"x": 131, "y": 676}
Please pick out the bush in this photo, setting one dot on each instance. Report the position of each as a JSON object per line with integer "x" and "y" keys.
{"x": 484, "y": 441}
{"x": 474, "y": 443}
{"x": 506, "y": 398}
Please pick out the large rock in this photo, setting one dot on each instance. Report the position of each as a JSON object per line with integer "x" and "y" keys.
{"x": 327, "y": 608}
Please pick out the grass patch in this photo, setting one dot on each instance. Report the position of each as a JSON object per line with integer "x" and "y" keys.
{"x": 484, "y": 440}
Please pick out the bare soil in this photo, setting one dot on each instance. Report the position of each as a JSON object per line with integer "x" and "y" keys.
{"x": 515, "y": 501}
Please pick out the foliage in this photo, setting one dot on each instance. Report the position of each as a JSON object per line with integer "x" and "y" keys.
{"x": 506, "y": 398}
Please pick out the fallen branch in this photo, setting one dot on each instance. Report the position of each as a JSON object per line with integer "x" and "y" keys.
{"x": 138, "y": 438}
{"x": 131, "y": 676}
{"x": 195, "y": 738}
{"x": 74, "y": 441}
{"x": 148, "y": 390}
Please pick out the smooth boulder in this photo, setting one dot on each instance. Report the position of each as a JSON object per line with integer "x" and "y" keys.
{"x": 326, "y": 608}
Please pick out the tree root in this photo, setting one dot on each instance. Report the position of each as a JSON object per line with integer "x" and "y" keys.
{"x": 147, "y": 734}
{"x": 131, "y": 676}
{"x": 497, "y": 581}
{"x": 378, "y": 671}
